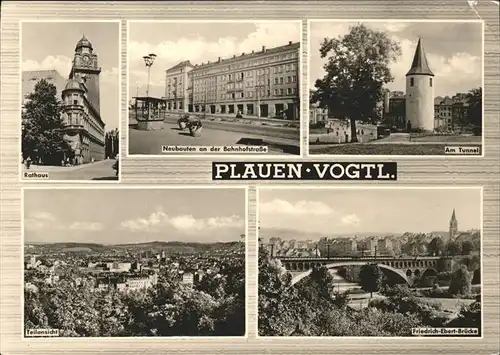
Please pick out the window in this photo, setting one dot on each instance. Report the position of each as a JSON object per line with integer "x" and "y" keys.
{"x": 268, "y": 92}
{"x": 281, "y": 80}
{"x": 294, "y": 79}
{"x": 430, "y": 82}
{"x": 412, "y": 81}
{"x": 288, "y": 79}
{"x": 275, "y": 92}
{"x": 75, "y": 102}
{"x": 276, "y": 80}
{"x": 281, "y": 91}
{"x": 288, "y": 91}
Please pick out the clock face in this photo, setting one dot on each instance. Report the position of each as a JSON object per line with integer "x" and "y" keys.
{"x": 86, "y": 60}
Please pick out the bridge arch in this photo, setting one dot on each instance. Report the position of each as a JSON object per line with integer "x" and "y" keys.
{"x": 430, "y": 271}
{"x": 303, "y": 275}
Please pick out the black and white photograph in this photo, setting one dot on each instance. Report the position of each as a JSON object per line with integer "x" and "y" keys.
{"x": 370, "y": 262}
{"x": 210, "y": 88}
{"x": 404, "y": 88}
{"x": 134, "y": 262}
{"x": 70, "y": 100}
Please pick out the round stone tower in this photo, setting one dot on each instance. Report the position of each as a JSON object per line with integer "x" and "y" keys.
{"x": 420, "y": 93}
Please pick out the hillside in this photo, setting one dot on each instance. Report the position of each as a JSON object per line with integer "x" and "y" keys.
{"x": 155, "y": 246}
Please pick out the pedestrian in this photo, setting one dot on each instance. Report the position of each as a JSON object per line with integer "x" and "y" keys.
{"x": 62, "y": 162}
{"x": 28, "y": 162}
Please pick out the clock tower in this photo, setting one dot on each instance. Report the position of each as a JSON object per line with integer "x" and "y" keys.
{"x": 86, "y": 70}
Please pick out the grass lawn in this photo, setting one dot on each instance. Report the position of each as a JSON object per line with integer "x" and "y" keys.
{"x": 449, "y": 139}
{"x": 379, "y": 149}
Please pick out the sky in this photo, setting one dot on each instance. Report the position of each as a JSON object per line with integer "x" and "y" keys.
{"x": 51, "y": 45}
{"x": 197, "y": 42}
{"x": 454, "y": 51}
{"x": 119, "y": 216}
{"x": 351, "y": 211}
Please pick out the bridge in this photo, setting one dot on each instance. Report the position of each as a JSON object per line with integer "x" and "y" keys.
{"x": 410, "y": 269}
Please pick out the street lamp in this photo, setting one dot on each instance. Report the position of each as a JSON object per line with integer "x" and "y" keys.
{"x": 149, "y": 60}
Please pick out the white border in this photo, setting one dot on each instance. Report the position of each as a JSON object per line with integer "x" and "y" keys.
{"x": 19, "y": 151}
{"x": 373, "y": 187}
{"x": 177, "y": 339}
{"x": 223, "y": 156}
{"x": 308, "y": 155}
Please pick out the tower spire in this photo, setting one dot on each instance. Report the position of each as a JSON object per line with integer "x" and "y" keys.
{"x": 419, "y": 65}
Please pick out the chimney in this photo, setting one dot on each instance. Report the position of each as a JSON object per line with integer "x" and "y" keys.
{"x": 243, "y": 53}
{"x": 263, "y": 48}
{"x": 253, "y": 51}
{"x": 234, "y": 55}
{"x": 289, "y": 43}
{"x": 218, "y": 60}
{"x": 208, "y": 62}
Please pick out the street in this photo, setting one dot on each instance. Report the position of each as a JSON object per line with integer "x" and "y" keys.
{"x": 150, "y": 142}
{"x": 102, "y": 170}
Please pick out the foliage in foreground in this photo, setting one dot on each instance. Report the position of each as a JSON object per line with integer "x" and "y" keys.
{"x": 311, "y": 308}
{"x": 215, "y": 307}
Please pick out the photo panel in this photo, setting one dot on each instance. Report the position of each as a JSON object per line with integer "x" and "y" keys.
{"x": 396, "y": 88}
{"x": 211, "y": 88}
{"x": 173, "y": 265}
{"x": 370, "y": 262}
{"x": 70, "y": 104}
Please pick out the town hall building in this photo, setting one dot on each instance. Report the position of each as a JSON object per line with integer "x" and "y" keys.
{"x": 84, "y": 129}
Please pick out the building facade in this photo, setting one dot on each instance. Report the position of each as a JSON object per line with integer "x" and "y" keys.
{"x": 84, "y": 128}
{"x": 176, "y": 89}
{"x": 395, "y": 109}
{"x": 263, "y": 84}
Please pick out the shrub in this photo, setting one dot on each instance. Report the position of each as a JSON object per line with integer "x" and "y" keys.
{"x": 461, "y": 282}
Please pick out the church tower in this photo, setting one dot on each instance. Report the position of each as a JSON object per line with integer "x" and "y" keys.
{"x": 453, "y": 225}
{"x": 420, "y": 93}
{"x": 86, "y": 70}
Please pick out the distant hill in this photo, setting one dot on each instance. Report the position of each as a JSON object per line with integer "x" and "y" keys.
{"x": 170, "y": 247}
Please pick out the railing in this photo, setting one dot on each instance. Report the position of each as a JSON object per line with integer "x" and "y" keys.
{"x": 402, "y": 258}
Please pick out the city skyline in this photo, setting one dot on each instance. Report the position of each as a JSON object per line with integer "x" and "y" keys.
{"x": 189, "y": 215}
{"x": 453, "y": 49}
{"x": 198, "y": 42}
{"x": 57, "y": 51}
{"x": 327, "y": 212}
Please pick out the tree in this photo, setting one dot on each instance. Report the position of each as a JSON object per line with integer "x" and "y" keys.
{"x": 370, "y": 278}
{"x": 436, "y": 246}
{"x": 453, "y": 248}
{"x": 42, "y": 125}
{"x": 467, "y": 247}
{"x": 461, "y": 281}
{"x": 112, "y": 143}
{"x": 278, "y": 304}
{"x": 357, "y": 69}
{"x": 475, "y": 109}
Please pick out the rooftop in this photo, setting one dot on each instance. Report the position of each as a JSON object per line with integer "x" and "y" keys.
{"x": 419, "y": 65}
{"x": 264, "y": 50}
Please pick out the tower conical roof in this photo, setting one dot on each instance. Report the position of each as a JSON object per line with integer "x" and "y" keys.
{"x": 453, "y": 217}
{"x": 419, "y": 65}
